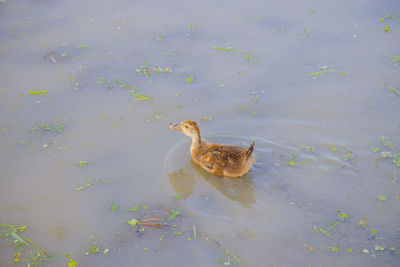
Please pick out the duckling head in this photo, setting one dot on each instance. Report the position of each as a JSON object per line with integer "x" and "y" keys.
{"x": 189, "y": 128}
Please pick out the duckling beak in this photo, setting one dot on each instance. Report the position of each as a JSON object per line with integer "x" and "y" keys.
{"x": 175, "y": 126}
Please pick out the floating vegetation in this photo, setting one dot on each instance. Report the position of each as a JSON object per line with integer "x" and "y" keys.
{"x": 194, "y": 232}
{"x": 37, "y": 256}
{"x": 341, "y": 217}
{"x": 114, "y": 207}
{"x": 332, "y": 225}
{"x": 147, "y": 70}
{"x": 392, "y": 17}
{"x": 81, "y": 46}
{"x": 46, "y": 127}
{"x": 178, "y": 233}
{"x": 113, "y": 83}
{"x": 387, "y": 29}
{"x": 41, "y": 92}
{"x": 230, "y": 253}
{"x": 230, "y": 49}
{"x": 395, "y": 60}
{"x": 119, "y": 83}
{"x": 70, "y": 261}
{"x": 138, "y": 208}
{"x": 307, "y": 33}
{"x": 81, "y": 187}
{"x": 389, "y": 154}
{"x": 375, "y": 149}
{"x": 141, "y": 96}
{"x": 176, "y": 196}
{"x": 75, "y": 84}
{"x": 292, "y": 161}
{"x": 249, "y": 56}
{"x": 326, "y": 71}
{"x": 362, "y": 222}
{"x": 381, "y": 198}
{"x": 95, "y": 248}
{"x": 394, "y": 90}
{"x": 82, "y": 163}
{"x": 386, "y": 142}
{"x": 308, "y": 148}
{"x": 190, "y": 80}
{"x": 209, "y": 118}
{"x": 347, "y": 156}
{"x": 334, "y": 249}
{"x": 173, "y": 214}
{"x": 147, "y": 222}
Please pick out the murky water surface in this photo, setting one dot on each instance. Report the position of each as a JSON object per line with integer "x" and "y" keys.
{"x": 87, "y": 89}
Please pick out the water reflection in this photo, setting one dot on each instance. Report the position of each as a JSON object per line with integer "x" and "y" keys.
{"x": 240, "y": 190}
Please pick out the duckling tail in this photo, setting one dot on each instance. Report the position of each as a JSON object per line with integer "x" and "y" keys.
{"x": 250, "y": 150}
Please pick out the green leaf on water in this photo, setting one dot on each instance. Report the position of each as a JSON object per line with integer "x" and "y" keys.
{"x": 343, "y": 216}
{"x": 42, "y": 92}
{"x": 114, "y": 207}
{"x": 347, "y": 156}
{"x": 334, "y": 249}
{"x": 72, "y": 263}
{"x": 136, "y": 208}
{"x": 386, "y": 154}
{"x": 81, "y": 46}
{"x": 230, "y": 49}
{"x": 190, "y": 80}
{"x": 133, "y": 222}
{"x": 373, "y": 231}
{"x": 379, "y": 248}
{"x": 178, "y": 196}
{"x": 375, "y": 149}
{"x": 178, "y": 233}
{"x": 293, "y": 163}
{"x": 82, "y": 163}
{"x": 388, "y": 143}
{"x": 142, "y": 97}
{"x": 59, "y": 129}
{"x": 333, "y": 148}
{"x": 229, "y": 252}
{"x": 395, "y": 60}
{"x": 394, "y": 90}
{"x": 381, "y": 198}
{"x": 387, "y": 29}
{"x": 173, "y": 214}
{"x": 325, "y": 71}
{"x": 194, "y": 232}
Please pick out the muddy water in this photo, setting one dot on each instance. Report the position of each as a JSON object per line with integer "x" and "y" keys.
{"x": 318, "y": 195}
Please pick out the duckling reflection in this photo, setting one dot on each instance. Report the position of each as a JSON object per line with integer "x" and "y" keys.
{"x": 185, "y": 179}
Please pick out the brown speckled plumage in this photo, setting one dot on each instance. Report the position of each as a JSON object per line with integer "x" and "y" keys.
{"x": 221, "y": 160}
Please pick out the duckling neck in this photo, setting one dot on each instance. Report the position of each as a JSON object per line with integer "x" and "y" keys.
{"x": 196, "y": 141}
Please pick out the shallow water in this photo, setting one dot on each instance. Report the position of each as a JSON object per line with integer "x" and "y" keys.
{"x": 326, "y": 125}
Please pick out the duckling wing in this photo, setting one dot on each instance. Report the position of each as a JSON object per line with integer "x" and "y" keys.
{"x": 222, "y": 155}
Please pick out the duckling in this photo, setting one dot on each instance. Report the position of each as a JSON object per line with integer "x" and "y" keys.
{"x": 220, "y": 160}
